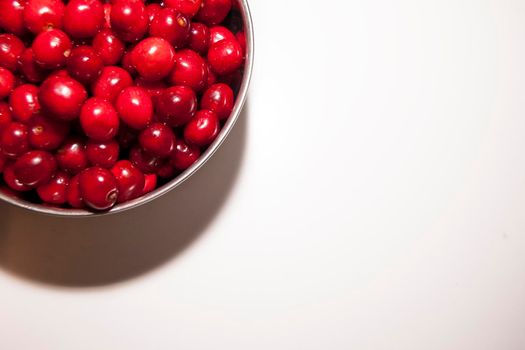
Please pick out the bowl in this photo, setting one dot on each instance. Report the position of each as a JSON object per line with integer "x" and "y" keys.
{"x": 228, "y": 126}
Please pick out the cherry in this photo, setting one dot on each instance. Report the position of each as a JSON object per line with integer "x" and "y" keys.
{"x": 47, "y": 134}
{"x": 52, "y": 48}
{"x": 202, "y": 129}
{"x": 150, "y": 183}
{"x": 35, "y": 168}
{"x": 127, "y": 64}
{"x": 187, "y": 7}
{"x": 225, "y": 56}
{"x": 83, "y": 18}
{"x": 107, "y": 16}
{"x": 190, "y": 70}
{"x": 213, "y": 12}
{"x": 130, "y": 180}
{"x": 219, "y": 99}
{"x": 12, "y": 16}
{"x": 144, "y": 161}
{"x": 154, "y": 88}
{"x": 109, "y": 47}
{"x": 7, "y": 82}
{"x": 184, "y": 155}
{"x": 84, "y": 64}
{"x": 99, "y": 120}
{"x": 73, "y": 196}
{"x": 166, "y": 171}
{"x": 171, "y": 25}
{"x": 212, "y": 77}
{"x": 40, "y": 15}
{"x": 199, "y": 39}
{"x": 3, "y": 162}
{"x": 135, "y": 107}
{"x": 158, "y": 140}
{"x": 102, "y": 154}
{"x": 62, "y": 97}
{"x": 31, "y": 71}
{"x": 72, "y": 157}
{"x": 111, "y": 82}
{"x": 11, "y": 180}
{"x": 233, "y": 80}
{"x": 11, "y": 49}
{"x": 98, "y": 188}
{"x": 153, "y": 58}
{"x": 151, "y": 11}
{"x": 5, "y": 115}
{"x": 126, "y": 136}
{"x": 24, "y": 102}
{"x": 55, "y": 191}
{"x": 177, "y": 105}
{"x": 129, "y": 19}
{"x": 14, "y": 140}
{"x": 218, "y": 33}
{"x": 241, "y": 38}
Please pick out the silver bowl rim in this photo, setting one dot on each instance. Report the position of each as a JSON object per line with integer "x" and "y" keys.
{"x": 228, "y": 126}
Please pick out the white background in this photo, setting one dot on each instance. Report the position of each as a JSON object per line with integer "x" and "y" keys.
{"x": 372, "y": 196}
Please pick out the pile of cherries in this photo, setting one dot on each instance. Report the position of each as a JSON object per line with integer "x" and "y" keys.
{"x": 102, "y": 102}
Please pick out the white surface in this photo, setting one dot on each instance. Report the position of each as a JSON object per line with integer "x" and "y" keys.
{"x": 372, "y": 197}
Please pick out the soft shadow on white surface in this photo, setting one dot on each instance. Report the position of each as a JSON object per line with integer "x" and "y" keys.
{"x": 111, "y": 249}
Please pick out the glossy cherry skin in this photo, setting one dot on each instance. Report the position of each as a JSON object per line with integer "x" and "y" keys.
{"x": 99, "y": 120}
{"x": 145, "y": 162}
{"x": 241, "y": 38}
{"x": 98, "y": 188}
{"x": 31, "y": 71}
{"x": 111, "y": 82}
{"x": 176, "y": 105}
{"x": 171, "y": 25}
{"x": 47, "y": 134}
{"x": 83, "y": 18}
{"x": 213, "y": 12}
{"x": 5, "y": 115}
{"x": 11, "y": 48}
{"x": 184, "y": 155}
{"x": 154, "y": 88}
{"x": 218, "y": 33}
{"x": 202, "y": 129}
{"x": 14, "y": 140}
{"x": 108, "y": 46}
{"x": 135, "y": 107}
{"x": 52, "y": 48}
{"x": 7, "y": 82}
{"x": 72, "y": 157}
{"x": 150, "y": 183}
{"x": 130, "y": 180}
{"x": 187, "y": 7}
{"x": 40, "y": 15}
{"x": 61, "y": 98}
{"x": 199, "y": 39}
{"x": 24, "y": 102}
{"x": 55, "y": 191}
{"x": 153, "y": 58}
{"x": 212, "y": 77}
{"x": 158, "y": 140}
{"x": 218, "y": 98}
{"x": 129, "y": 19}
{"x": 102, "y": 154}
{"x": 35, "y": 168}
{"x": 84, "y": 64}
{"x": 190, "y": 70}
{"x": 12, "y": 16}
{"x": 152, "y": 10}
{"x": 225, "y": 56}
{"x": 11, "y": 180}
{"x": 73, "y": 195}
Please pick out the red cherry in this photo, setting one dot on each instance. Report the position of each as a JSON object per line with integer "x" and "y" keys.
{"x": 225, "y": 56}
{"x": 233, "y": 80}
{"x": 153, "y": 58}
{"x": 7, "y": 82}
{"x": 135, "y": 107}
{"x": 99, "y": 119}
{"x": 111, "y": 82}
{"x": 11, "y": 48}
{"x": 212, "y": 77}
{"x": 154, "y": 88}
{"x": 83, "y": 18}
{"x": 52, "y": 48}
{"x": 109, "y": 47}
{"x": 102, "y": 154}
{"x": 144, "y": 161}
{"x": 187, "y": 7}
{"x": 73, "y": 196}
{"x": 202, "y": 129}
{"x": 184, "y": 155}
{"x": 130, "y": 181}
{"x": 98, "y": 188}
{"x": 166, "y": 171}
{"x": 62, "y": 98}
{"x": 5, "y": 115}
{"x": 40, "y": 15}
{"x": 31, "y": 71}
{"x": 3, "y": 162}
{"x": 72, "y": 157}
{"x": 219, "y": 99}
{"x": 171, "y": 25}
{"x": 218, "y": 33}
{"x": 150, "y": 183}
{"x": 241, "y": 38}
{"x": 129, "y": 19}
{"x": 199, "y": 39}
{"x": 47, "y": 134}
{"x": 213, "y": 12}
{"x": 55, "y": 191}
{"x": 84, "y": 64}
{"x": 24, "y": 102}
{"x": 158, "y": 140}
{"x": 14, "y": 140}
{"x": 190, "y": 70}
{"x": 127, "y": 64}
{"x": 151, "y": 11}
{"x": 35, "y": 168}
{"x": 177, "y": 105}
{"x": 11, "y": 180}
{"x": 12, "y": 16}
{"x": 107, "y": 16}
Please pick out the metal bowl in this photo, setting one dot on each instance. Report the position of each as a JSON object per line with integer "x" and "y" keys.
{"x": 241, "y": 99}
